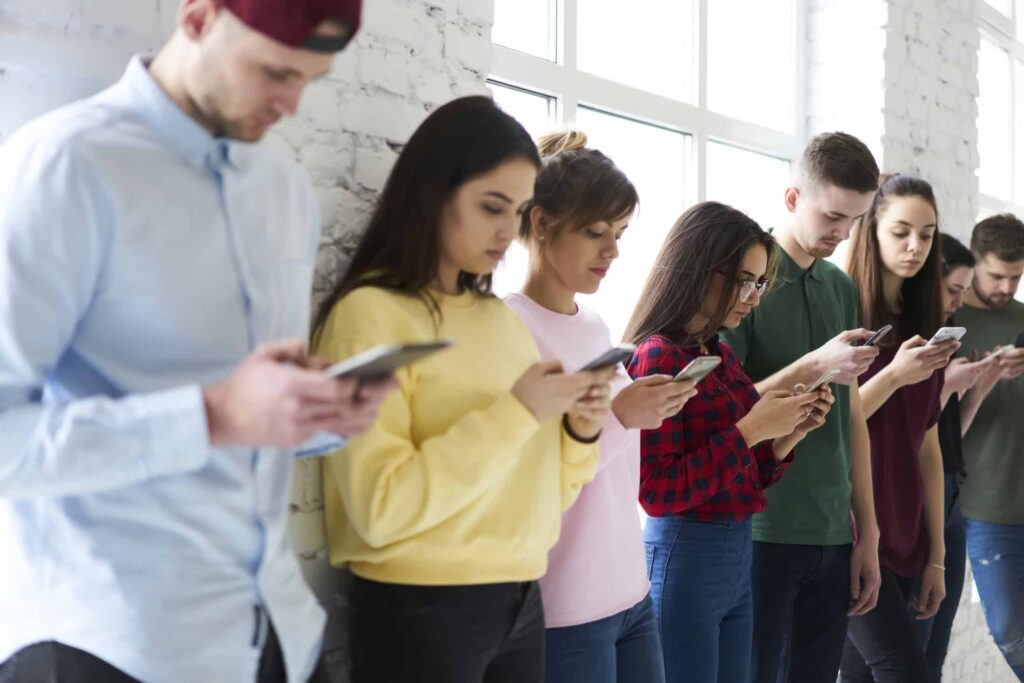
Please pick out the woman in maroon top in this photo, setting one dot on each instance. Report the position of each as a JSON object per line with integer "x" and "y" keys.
{"x": 703, "y": 472}
{"x": 895, "y": 263}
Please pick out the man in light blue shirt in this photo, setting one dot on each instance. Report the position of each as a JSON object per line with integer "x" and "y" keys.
{"x": 152, "y": 257}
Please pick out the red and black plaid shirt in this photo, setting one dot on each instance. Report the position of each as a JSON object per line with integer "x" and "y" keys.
{"x": 697, "y": 465}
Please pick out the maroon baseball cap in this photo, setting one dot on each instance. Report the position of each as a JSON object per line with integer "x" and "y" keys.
{"x": 293, "y": 22}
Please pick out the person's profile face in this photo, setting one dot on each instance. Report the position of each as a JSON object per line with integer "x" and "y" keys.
{"x": 825, "y": 216}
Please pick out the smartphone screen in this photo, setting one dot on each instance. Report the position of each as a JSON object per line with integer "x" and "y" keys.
{"x": 944, "y": 334}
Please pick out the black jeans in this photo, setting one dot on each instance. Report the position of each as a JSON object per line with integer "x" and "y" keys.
{"x": 53, "y": 662}
{"x": 801, "y": 596}
{"x": 935, "y": 632}
{"x": 490, "y": 633}
{"x": 883, "y": 645}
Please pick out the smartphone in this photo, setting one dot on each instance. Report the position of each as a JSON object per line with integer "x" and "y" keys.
{"x": 826, "y": 378}
{"x": 944, "y": 334}
{"x": 1002, "y": 351}
{"x": 381, "y": 361}
{"x": 873, "y": 339}
{"x": 613, "y": 356}
{"x": 698, "y": 368}
{"x": 1020, "y": 341}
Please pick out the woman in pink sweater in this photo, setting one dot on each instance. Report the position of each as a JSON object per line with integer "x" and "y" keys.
{"x": 599, "y": 618}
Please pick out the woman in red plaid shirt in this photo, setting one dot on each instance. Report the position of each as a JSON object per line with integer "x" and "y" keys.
{"x": 704, "y": 470}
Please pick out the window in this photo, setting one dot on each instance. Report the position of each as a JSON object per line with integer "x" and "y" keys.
{"x": 689, "y": 113}
{"x": 623, "y": 46}
{"x": 1001, "y": 107}
{"x": 751, "y": 59}
{"x": 534, "y": 111}
{"x": 527, "y": 26}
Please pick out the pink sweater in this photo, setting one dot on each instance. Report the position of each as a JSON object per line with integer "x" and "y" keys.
{"x": 598, "y": 567}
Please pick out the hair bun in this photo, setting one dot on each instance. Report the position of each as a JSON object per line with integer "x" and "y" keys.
{"x": 554, "y": 143}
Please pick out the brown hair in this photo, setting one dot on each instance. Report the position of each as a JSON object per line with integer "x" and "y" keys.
{"x": 838, "y": 159}
{"x": 922, "y": 294}
{"x": 1001, "y": 235}
{"x": 577, "y": 186}
{"x": 708, "y": 238}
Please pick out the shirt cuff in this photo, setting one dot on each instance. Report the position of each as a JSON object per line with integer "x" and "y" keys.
{"x": 321, "y": 444}
{"x": 178, "y": 437}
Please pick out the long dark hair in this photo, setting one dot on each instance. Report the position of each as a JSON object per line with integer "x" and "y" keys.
{"x": 401, "y": 247}
{"x": 708, "y": 238}
{"x": 577, "y": 186}
{"x": 922, "y": 294}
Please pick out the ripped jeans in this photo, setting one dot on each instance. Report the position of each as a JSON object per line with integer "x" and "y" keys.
{"x": 997, "y": 558}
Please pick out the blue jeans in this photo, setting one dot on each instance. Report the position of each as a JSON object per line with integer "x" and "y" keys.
{"x": 935, "y": 632}
{"x": 801, "y": 596}
{"x": 700, "y": 584}
{"x": 622, "y": 648}
{"x": 997, "y": 558}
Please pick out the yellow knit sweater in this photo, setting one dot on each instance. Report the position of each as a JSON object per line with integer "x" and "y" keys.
{"x": 457, "y": 482}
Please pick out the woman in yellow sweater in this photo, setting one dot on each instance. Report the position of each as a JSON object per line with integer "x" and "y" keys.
{"x": 445, "y": 510}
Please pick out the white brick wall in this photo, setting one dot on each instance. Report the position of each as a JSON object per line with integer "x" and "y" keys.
{"x": 902, "y": 75}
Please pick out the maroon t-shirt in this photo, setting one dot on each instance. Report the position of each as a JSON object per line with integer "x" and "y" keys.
{"x": 897, "y": 431}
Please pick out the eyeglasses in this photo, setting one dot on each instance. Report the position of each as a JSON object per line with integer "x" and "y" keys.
{"x": 748, "y": 287}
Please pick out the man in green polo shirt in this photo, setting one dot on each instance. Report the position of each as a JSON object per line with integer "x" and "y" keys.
{"x": 807, "y": 575}
{"x": 992, "y": 495}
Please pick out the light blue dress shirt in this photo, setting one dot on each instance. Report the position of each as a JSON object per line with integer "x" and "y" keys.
{"x": 141, "y": 258}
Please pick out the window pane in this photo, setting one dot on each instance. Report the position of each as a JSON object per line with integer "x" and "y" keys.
{"x": 656, "y": 160}
{"x": 526, "y": 25}
{"x": 751, "y": 182}
{"x": 534, "y": 111}
{"x": 647, "y": 44}
{"x": 1001, "y": 5}
{"x": 751, "y": 63}
{"x": 1018, "y": 154}
{"x": 994, "y": 120}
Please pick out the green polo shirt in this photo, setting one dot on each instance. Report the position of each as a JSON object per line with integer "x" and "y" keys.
{"x": 810, "y": 505}
{"x": 994, "y": 446}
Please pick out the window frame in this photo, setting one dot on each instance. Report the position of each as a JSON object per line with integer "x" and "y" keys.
{"x": 572, "y": 88}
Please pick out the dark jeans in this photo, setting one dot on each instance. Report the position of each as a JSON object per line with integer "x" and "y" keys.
{"x": 801, "y": 596}
{"x": 622, "y": 648}
{"x": 997, "y": 558}
{"x": 700, "y": 584}
{"x": 883, "y": 645}
{"x": 53, "y": 662}
{"x": 489, "y": 633}
{"x": 935, "y": 632}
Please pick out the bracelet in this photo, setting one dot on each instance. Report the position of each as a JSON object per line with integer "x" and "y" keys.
{"x": 576, "y": 437}
{"x": 937, "y": 566}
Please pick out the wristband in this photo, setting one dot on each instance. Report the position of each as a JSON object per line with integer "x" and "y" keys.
{"x": 574, "y": 436}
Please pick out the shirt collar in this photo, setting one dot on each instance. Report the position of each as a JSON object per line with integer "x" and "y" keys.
{"x": 789, "y": 272}
{"x": 166, "y": 118}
